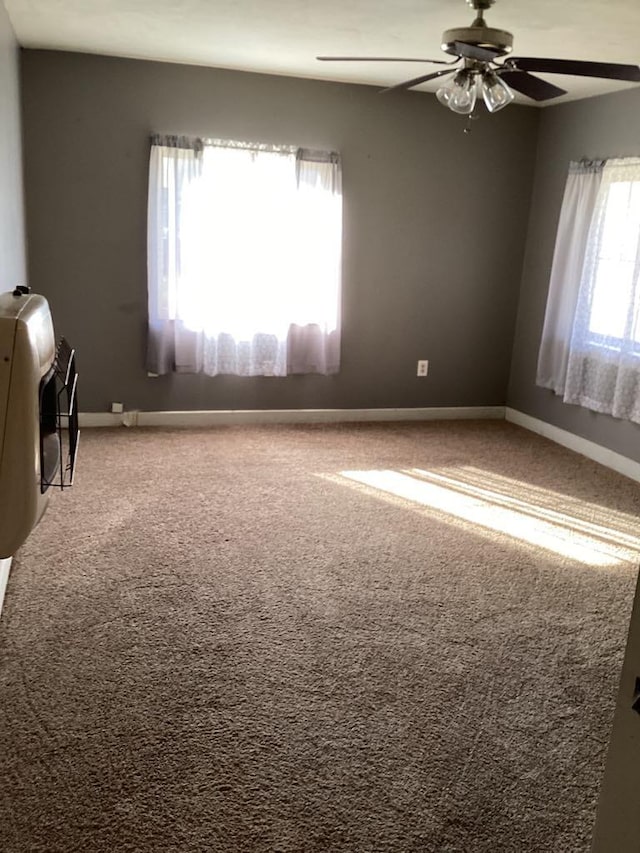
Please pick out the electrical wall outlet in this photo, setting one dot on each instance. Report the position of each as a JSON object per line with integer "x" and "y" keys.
{"x": 117, "y": 408}
{"x": 423, "y": 367}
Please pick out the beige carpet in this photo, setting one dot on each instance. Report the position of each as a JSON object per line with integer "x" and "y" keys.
{"x": 375, "y": 639}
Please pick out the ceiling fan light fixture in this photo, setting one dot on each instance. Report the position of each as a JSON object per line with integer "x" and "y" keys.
{"x": 495, "y": 92}
{"x": 477, "y": 49}
{"x": 460, "y": 96}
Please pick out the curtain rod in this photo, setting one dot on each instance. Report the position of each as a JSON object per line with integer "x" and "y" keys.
{"x": 588, "y": 161}
{"x": 585, "y": 164}
{"x": 199, "y": 143}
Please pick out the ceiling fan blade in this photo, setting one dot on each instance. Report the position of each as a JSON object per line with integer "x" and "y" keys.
{"x": 608, "y": 70}
{"x": 532, "y": 87}
{"x": 382, "y": 59}
{"x": 472, "y": 51}
{"x": 408, "y": 84}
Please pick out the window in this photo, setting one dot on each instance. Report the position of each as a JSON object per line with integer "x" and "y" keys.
{"x": 590, "y": 348}
{"x": 613, "y": 314}
{"x": 244, "y": 258}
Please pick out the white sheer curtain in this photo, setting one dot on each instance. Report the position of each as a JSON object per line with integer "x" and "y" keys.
{"x": 597, "y": 356}
{"x": 244, "y": 259}
{"x": 578, "y": 205}
{"x": 173, "y": 167}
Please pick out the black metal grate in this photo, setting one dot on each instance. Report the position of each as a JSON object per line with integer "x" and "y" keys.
{"x": 59, "y": 433}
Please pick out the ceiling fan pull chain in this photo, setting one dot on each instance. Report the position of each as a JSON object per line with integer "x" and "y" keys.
{"x": 470, "y": 118}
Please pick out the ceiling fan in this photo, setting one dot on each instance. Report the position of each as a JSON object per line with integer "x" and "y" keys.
{"x": 482, "y": 63}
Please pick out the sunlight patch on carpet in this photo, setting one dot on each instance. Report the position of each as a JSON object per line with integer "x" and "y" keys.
{"x": 495, "y": 504}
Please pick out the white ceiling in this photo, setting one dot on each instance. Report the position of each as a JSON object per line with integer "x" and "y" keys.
{"x": 285, "y": 36}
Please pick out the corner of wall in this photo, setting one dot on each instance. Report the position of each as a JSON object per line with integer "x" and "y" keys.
{"x": 13, "y": 265}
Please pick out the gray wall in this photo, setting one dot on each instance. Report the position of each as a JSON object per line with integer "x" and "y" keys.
{"x": 607, "y": 126}
{"x": 12, "y": 248}
{"x": 435, "y": 222}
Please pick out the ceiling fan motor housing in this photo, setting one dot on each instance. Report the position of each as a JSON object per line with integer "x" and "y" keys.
{"x": 499, "y": 41}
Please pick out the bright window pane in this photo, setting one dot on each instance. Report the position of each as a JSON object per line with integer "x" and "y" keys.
{"x": 610, "y": 302}
{"x": 615, "y": 302}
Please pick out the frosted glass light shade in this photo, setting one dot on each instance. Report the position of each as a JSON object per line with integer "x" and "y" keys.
{"x": 495, "y": 92}
{"x": 444, "y": 95}
{"x": 463, "y": 93}
{"x": 460, "y": 96}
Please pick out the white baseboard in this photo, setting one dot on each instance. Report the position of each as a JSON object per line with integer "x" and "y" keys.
{"x": 609, "y": 458}
{"x": 286, "y": 416}
{"x": 213, "y": 417}
{"x": 5, "y": 565}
